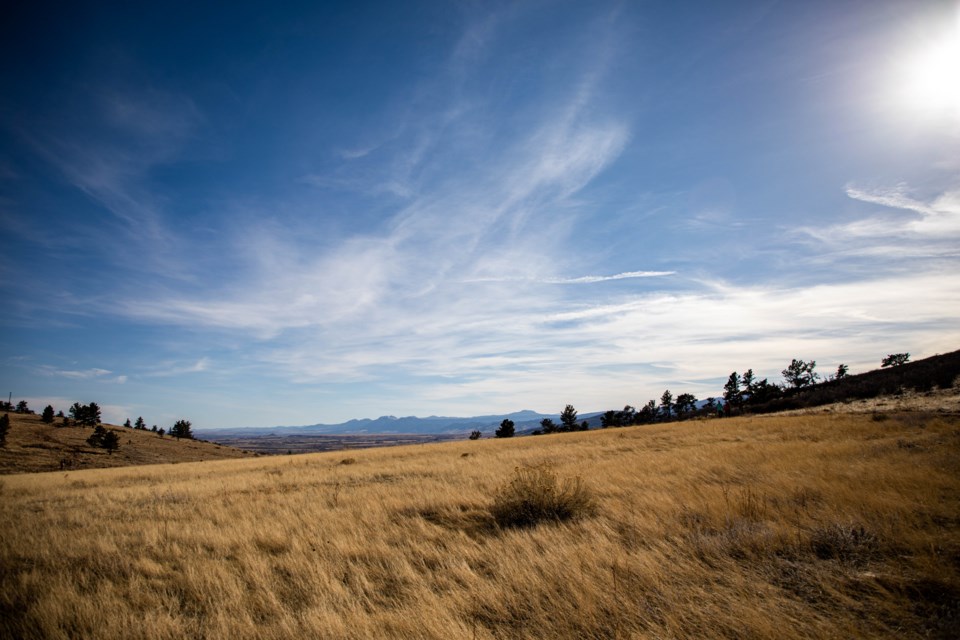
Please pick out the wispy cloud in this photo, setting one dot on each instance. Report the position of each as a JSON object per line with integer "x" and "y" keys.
{"x": 627, "y": 275}
{"x": 908, "y": 226}
{"x": 85, "y": 374}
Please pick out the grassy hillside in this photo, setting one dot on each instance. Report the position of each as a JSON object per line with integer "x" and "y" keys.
{"x": 755, "y": 527}
{"x": 35, "y": 446}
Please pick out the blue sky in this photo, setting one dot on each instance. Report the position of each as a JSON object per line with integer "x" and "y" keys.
{"x": 288, "y": 215}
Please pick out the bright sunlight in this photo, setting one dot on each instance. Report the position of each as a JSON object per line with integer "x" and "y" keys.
{"x": 931, "y": 77}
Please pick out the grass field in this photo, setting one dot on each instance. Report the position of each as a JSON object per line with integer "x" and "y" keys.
{"x": 830, "y": 526}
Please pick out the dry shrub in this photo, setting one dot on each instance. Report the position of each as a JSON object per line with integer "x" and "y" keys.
{"x": 844, "y": 542}
{"x": 535, "y": 494}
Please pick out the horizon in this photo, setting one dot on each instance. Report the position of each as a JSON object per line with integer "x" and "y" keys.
{"x": 302, "y": 215}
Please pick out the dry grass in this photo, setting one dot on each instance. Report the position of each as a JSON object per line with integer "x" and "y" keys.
{"x": 763, "y": 527}
{"x": 34, "y": 446}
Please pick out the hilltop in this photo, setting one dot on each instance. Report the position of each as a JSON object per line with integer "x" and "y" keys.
{"x": 33, "y": 445}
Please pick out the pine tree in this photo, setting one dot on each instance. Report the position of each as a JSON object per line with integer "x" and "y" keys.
{"x": 110, "y": 442}
{"x": 506, "y": 429}
{"x": 181, "y": 429}
{"x": 568, "y": 419}
{"x": 666, "y": 404}
{"x": 47, "y": 415}
{"x": 731, "y": 392}
{"x": 140, "y": 424}
{"x": 4, "y": 429}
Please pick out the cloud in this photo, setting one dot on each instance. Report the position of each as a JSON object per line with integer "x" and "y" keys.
{"x": 85, "y": 374}
{"x": 581, "y": 279}
{"x": 930, "y": 229}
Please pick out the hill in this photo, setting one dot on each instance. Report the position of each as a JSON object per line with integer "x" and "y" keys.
{"x": 34, "y": 446}
{"x": 787, "y": 527}
{"x": 923, "y": 376}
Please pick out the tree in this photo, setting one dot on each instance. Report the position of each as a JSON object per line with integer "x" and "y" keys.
{"x": 85, "y": 415}
{"x": 475, "y": 435}
{"x": 584, "y": 425}
{"x": 140, "y": 424}
{"x": 892, "y": 360}
{"x": 800, "y": 374}
{"x": 128, "y": 424}
{"x": 747, "y": 383}
{"x": 22, "y": 407}
{"x": 568, "y": 419}
{"x": 47, "y": 415}
{"x": 96, "y": 438}
{"x": 181, "y": 429}
{"x": 610, "y": 419}
{"x": 731, "y": 391}
{"x": 548, "y": 426}
{"x": 104, "y": 439}
{"x": 628, "y": 416}
{"x": 4, "y": 429}
{"x": 764, "y": 391}
{"x": 648, "y": 413}
{"x": 506, "y": 429}
{"x": 160, "y": 431}
{"x": 841, "y": 372}
{"x": 685, "y": 403}
{"x": 666, "y": 404}
{"x": 110, "y": 442}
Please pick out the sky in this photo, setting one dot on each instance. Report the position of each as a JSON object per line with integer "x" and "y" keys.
{"x": 273, "y": 214}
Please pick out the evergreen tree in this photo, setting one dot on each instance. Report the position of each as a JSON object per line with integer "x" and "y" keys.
{"x": 895, "y": 360}
{"x": 841, "y": 372}
{"x": 96, "y": 438}
{"x": 685, "y": 403}
{"x": 800, "y": 374}
{"x": 140, "y": 424}
{"x": 648, "y": 413}
{"x": 160, "y": 431}
{"x": 568, "y": 419}
{"x": 111, "y": 442}
{"x": 475, "y": 435}
{"x": 22, "y": 407}
{"x": 731, "y": 391}
{"x": 506, "y": 429}
{"x": 4, "y": 429}
{"x": 47, "y": 415}
{"x": 666, "y": 404}
{"x": 128, "y": 424}
{"x": 548, "y": 426}
{"x": 181, "y": 429}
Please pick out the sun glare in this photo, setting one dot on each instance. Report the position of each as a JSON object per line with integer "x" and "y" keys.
{"x": 931, "y": 77}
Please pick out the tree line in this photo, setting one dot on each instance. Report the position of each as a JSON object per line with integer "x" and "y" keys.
{"x": 740, "y": 393}
{"x": 90, "y": 415}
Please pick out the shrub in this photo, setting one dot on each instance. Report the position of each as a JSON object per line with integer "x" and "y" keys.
{"x": 851, "y": 543}
{"x": 535, "y": 494}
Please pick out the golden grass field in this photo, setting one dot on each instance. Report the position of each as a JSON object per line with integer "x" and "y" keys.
{"x": 814, "y": 526}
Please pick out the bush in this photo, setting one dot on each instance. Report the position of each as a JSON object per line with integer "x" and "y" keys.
{"x": 536, "y": 495}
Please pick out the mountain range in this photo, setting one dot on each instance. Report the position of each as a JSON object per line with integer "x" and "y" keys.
{"x": 525, "y": 420}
